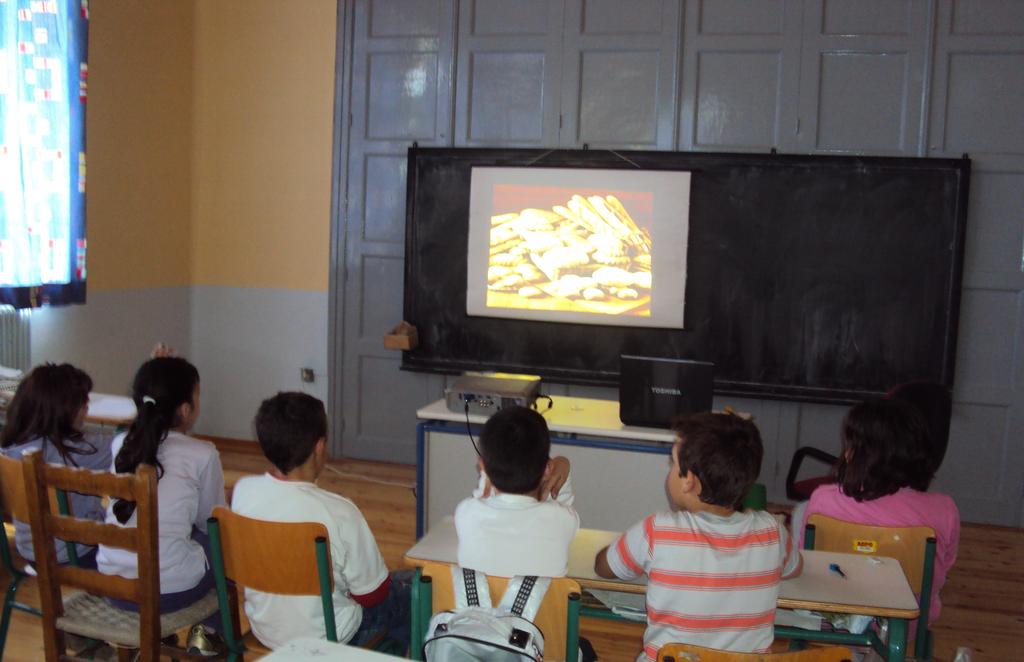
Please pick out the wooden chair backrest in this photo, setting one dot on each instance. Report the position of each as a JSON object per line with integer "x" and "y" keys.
{"x": 140, "y": 487}
{"x": 688, "y": 653}
{"x": 273, "y": 557}
{"x": 552, "y": 618}
{"x": 13, "y": 499}
{"x": 12, "y": 489}
{"x": 905, "y": 544}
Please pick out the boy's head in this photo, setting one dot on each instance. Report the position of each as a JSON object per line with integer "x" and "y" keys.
{"x": 723, "y": 453}
{"x": 514, "y": 448}
{"x": 289, "y": 426}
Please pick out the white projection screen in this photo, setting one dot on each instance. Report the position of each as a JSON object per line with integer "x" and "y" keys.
{"x": 587, "y": 246}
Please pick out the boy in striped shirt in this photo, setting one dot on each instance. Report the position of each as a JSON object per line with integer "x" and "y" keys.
{"x": 713, "y": 569}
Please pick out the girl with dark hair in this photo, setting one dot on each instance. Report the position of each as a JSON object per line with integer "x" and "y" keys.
{"x": 190, "y": 484}
{"x": 936, "y": 406}
{"x": 48, "y": 413}
{"x": 882, "y": 478}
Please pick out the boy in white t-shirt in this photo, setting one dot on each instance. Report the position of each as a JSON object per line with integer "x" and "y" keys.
{"x": 292, "y": 431}
{"x": 512, "y": 525}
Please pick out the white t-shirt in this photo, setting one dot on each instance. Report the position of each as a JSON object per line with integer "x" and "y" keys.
{"x": 191, "y": 485}
{"x": 358, "y": 566}
{"x": 512, "y": 534}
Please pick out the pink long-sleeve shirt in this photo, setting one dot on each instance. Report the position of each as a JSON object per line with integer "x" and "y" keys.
{"x": 907, "y": 507}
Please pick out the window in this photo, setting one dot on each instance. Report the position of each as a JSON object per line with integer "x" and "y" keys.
{"x": 43, "y": 77}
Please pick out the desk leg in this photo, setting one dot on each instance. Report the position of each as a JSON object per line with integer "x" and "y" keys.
{"x": 897, "y": 639}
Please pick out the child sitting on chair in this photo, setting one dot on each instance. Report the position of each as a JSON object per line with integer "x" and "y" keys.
{"x": 883, "y": 474}
{"x": 292, "y": 432}
{"x": 520, "y": 520}
{"x": 48, "y": 412}
{"x": 713, "y": 569}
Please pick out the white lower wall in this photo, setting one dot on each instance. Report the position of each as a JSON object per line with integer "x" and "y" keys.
{"x": 250, "y": 343}
{"x": 113, "y": 333}
{"x": 247, "y": 343}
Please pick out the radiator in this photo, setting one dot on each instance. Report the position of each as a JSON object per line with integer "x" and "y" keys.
{"x": 15, "y": 338}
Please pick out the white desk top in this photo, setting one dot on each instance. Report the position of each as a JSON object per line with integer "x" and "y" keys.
{"x": 582, "y": 416}
{"x": 318, "y": 650}
{"x": 104, "y": 408}
{"x": 874, "y": 586}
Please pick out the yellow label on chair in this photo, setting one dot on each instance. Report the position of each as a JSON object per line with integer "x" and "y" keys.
{"x": 865, "y": 546}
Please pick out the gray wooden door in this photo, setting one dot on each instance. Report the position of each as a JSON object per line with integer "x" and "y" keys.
{"x": 400, "y": 64}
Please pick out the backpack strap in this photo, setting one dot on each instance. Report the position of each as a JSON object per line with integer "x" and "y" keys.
{"x": 524, "y": 596}
{"x": 470, "y": 588}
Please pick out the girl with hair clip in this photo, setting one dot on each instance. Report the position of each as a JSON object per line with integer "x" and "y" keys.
{"x": 48, "y": 413}
{"x": 190, "y": 484}
{"x": 883, "y": 476}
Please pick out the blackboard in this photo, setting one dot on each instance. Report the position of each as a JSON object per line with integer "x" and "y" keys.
{"x": 816, "y": 278}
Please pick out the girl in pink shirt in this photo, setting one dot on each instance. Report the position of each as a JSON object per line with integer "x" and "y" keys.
{"x": 883, "y": 475}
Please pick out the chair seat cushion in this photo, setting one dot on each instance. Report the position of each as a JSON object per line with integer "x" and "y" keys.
{"x": 91, "y": 616}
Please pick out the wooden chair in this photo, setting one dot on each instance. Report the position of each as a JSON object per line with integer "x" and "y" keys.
{"x": 801, "y": 490}
{"x": 912, "y": 546}
{"x": 14, "y": 507}
{"x": 286, "y": 558}
{"x": 688, "y": 653}
{"x": 558, "y": 618}
{"x": 86, "y": 613}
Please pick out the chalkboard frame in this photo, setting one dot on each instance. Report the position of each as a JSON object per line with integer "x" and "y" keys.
{"x": 438, "y": 187}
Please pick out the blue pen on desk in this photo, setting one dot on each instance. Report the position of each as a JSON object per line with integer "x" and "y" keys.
{"x": 834, "y": 567}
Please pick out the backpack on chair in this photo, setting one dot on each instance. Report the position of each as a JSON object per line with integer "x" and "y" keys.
{"x": 477, "y": 631}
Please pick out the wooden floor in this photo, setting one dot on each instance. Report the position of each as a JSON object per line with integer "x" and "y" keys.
{"x": 983, "y": 598}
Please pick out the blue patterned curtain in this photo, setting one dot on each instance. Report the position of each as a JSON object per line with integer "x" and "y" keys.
{"x": 43, "y": 76}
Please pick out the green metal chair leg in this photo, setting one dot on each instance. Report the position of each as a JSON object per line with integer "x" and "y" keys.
{"x": 414, "y": 609}
{"x": 323, "y": 567}
{"x": 572, "y": 629}
{"x": 425, "y": 610}
{"x": 897, "y": 640}
{"x": 5, "y": 621}
{"x": 233, "y": 639}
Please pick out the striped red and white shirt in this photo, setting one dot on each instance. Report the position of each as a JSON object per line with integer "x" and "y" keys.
{"x": 712, "y": 580}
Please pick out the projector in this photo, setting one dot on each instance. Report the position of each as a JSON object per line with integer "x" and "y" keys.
{"x": 486, "y": 393}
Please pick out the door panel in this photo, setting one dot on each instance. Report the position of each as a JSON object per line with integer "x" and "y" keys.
{"x": 620, "y": 82}
{"x": 401, "y": 64}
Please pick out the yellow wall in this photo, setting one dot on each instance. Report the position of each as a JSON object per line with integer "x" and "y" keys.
{"x": 139, "y": 123}
{"x": 263, "y": 114}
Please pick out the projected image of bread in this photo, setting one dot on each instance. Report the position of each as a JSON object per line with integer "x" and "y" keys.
{"x": 587, "y": 255}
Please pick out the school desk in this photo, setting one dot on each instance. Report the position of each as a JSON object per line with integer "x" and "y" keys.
{"x": 587, "y": 431}
{"x": 317, "y": 650}
{"x": 110, "y": 410}
{"x": 105, "y": 410}
{"x": 870, "y": 588}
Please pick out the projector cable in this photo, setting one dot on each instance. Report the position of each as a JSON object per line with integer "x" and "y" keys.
{"x": 469, "y": 431}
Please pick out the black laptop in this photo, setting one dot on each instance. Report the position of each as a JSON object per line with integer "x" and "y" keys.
{"x": 652, "y": 391}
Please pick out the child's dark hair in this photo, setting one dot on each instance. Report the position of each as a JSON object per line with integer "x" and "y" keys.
{"x": 288, "y": 426}
{"x": 515, "y": 446}
{"x": 161, "y": 386}
{"x": 934, "y": 403}
{"x": 722, "y": 450}
{"x": 46, "y": 405}
{"x": 885, "y": 448}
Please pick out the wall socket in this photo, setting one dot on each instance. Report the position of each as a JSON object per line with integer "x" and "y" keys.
{"x": 306, "y": 374}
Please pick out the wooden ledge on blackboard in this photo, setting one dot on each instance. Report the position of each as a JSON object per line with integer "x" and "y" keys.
{"x": 403, "y": 337}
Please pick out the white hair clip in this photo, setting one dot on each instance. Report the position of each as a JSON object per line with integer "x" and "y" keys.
{"x": 148, "y": 400}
